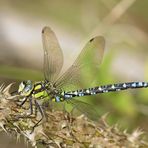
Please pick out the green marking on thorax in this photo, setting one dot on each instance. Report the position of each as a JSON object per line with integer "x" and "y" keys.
{"x": 42, "y": 93}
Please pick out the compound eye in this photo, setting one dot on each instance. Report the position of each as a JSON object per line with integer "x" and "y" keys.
{"x": 28, "y": 88}
{"x": 25, "y": 88}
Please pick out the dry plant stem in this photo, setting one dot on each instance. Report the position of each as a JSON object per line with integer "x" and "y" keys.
{"x": 60, "y": 129}
{"x": 118, "y": 11}
{"x": 112, "y": 17}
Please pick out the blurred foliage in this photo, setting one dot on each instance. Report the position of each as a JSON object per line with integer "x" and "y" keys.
{"x": 20, "y": 73}
{"x": 123, "y": 23}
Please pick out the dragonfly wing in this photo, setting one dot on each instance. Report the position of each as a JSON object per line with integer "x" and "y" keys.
{"x": 84, "y": 108}
{"x": 90, "y": 56}
{"x": 94, "y": 48}
{"x": 53, "y": 56}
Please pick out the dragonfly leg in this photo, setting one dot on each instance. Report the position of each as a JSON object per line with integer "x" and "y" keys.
{"x": 23, "y": 102}
{"x": 41, "y": 112}
{"x": 31, "y": 108}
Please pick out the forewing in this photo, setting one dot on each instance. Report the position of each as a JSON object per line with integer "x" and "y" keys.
{"x": 90, "y": 57}
{"x": 53, "y": 56}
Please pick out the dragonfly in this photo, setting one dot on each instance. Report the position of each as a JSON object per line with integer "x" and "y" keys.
{"x": 51, "y": 89}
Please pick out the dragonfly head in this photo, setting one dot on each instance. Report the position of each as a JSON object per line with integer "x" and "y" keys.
{"x": 25, "y": 88}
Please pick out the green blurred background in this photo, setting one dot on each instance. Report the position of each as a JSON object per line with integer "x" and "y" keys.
{"x": 123, "y": 23}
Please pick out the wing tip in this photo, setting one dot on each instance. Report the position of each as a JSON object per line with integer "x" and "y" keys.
{"x": 92, "y": 39}
{"x": 45, "y": 28}
{"x": 98, "y": 38}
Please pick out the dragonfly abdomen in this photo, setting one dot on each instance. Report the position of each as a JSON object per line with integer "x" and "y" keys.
{"x": 105, "y": 89}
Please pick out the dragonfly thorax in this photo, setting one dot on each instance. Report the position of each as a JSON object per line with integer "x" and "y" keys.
{"x": 51, "y": 88}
